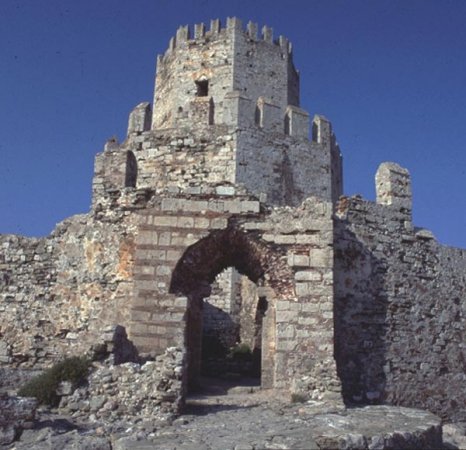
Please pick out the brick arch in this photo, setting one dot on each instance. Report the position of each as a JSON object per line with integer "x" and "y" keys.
{"x": 203, "y": 261}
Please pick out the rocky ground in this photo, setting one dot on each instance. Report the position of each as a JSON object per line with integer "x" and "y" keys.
{"x": 240, "y": 418}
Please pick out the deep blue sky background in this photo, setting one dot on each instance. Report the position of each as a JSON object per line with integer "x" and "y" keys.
{"x": 390, "y": 75}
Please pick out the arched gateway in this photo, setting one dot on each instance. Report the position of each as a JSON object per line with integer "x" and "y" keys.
{"x": 185, "y": 243}
{"x": 195, "y": 273}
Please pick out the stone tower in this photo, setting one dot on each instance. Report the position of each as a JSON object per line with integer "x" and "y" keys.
{"x": 226, "y": 81}
{"x": 226, "y": 142}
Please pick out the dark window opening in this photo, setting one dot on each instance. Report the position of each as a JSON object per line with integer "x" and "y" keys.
{"x": 315, "y": 132}
{"x": 258, "y": 117}
{"x": 287, "y": 124}
{"x": 202, "y": 88}
{"x": 131, "y": 173}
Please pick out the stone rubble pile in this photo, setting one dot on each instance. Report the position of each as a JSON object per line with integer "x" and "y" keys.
{"x": 129, "y": 393}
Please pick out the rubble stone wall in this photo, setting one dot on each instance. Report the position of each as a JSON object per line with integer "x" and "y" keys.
{"x": 130, "y": 392}
{"x": 210, "y": 159}
{"x": 400, "y": 322}
{"x": 58, "y": 292}
{"x": 173, "y": 160}
{"x": 286, "y": 169}
{"x": 27, "y": 275}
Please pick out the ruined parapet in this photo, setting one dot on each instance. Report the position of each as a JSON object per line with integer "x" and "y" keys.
{"x": 321, "y": 129}
{"x": 268, "y": 115}
{"x": 114, "y": 169}
{"x": 140, "y": 118}
{"x": 199, "y": 31}
{"x": 323, "y": 134}
{"x": 296, "y": 122}
{"x": 393, "y": 187}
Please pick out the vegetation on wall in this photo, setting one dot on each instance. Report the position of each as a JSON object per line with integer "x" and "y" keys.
{"x": 44, "y": 386}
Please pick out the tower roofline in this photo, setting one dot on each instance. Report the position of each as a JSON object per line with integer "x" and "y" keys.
{"x": 185, "y": 34}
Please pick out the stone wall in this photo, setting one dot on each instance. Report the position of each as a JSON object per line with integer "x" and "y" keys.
{"x": 287, "y": 170}
{"x": 178, "y": 70}
{"x": 174, "y": 160}
{"x": 27, "y": 276}
{"x": 399, "y": 306}
{"x": 59, "y": 292}
{"x": 282, "y": 170}
{"x": 220, "y": 311}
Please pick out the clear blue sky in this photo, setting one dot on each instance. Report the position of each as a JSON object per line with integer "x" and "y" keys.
{"x": 390, "y": 75}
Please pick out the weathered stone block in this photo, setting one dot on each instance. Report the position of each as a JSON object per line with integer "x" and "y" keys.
{"x": 321, "y": 257}
{"x": 218, "y": 223}
{"x": 298, "y": 260}
{"x": 185, "y": 222}
{"x": 225, "y": 190}
{"x": 284, "y": 239}
{"x": 165, "y": 221}
{"x": 308, "y": 275}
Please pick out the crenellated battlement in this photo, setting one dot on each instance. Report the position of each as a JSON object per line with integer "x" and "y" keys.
{"x": 199, "y": 32}
{"x": 218, "y": 61}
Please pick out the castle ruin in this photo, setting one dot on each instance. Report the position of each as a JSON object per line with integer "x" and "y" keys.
{"x": 221, "y": 219}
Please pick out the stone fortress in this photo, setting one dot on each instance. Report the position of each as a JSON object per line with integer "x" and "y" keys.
{"x": 221, "y": 220}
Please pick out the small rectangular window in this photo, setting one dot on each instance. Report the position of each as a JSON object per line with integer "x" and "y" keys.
{"x": 202, "y": 88}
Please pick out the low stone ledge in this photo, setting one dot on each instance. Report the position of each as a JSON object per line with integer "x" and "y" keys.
{"x": 376, "y": 427}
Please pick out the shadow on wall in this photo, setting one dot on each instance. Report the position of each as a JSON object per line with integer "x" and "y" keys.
{"x": 219, "y": 326}
{"x": 360, "y": 312}
{"x": 115, "y": 343}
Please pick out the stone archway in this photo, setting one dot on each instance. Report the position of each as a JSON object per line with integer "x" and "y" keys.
{"x": 196, "y": 271}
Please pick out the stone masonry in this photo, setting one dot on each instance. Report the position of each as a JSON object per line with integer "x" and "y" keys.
{"x": 223, "y": 212}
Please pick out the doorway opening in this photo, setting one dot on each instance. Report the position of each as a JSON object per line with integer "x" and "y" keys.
{"x": 232, "y": 323}
{"x": 230, "y": 317}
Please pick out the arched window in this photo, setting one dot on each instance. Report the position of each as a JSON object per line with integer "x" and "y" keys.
{"x": 287, "y": 124}
{"x": 258, "y": 116}
{"x": 131, "y": 174}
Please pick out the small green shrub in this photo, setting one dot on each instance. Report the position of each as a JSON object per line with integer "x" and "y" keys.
{"x": 44, "y": 386}
{"x": 241, "y": 352}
